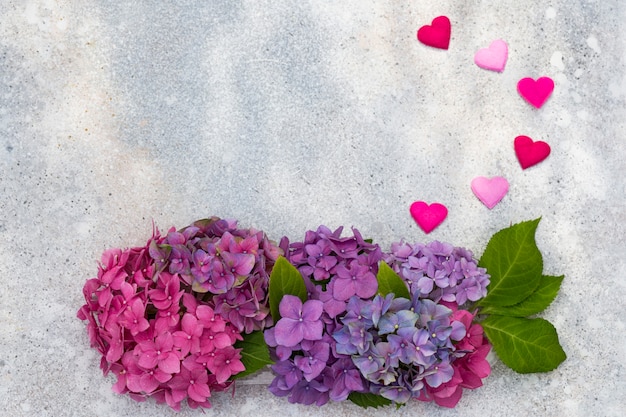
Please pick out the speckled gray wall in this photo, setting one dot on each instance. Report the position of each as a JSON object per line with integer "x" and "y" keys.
{"x": 287, "y": 115}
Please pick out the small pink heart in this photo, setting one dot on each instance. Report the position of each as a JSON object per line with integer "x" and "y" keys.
{"x": 436, "y": 34}
{"x": 490, "y": 190}
{"x": 428, "y": 217}
{"x": 530, "y": 153}
{"x": 535, "y": 92}
{"x": 494, "y": 57}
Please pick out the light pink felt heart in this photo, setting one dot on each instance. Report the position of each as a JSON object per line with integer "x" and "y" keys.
{"x": 535, "y": 92}
{"x": 490, "y": 190}
{"x": 530, "y": 153}
{"x": 436, "y": 34}
{"x": 428, "y": 217}
{"x": 494, "y": 57}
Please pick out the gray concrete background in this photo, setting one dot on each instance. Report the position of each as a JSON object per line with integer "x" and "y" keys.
{"x": 286, "y": 115}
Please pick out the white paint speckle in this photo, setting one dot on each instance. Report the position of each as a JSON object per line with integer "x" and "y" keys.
{"x": 583, "y": 115}
{"x": 550, "y": 13}
{"x": 564, "y": 119}
{"x": 61, "y": 25}
{"x": 592, "y": 42}
{"x": 561, "y": 80}
{"x": 565, "y": 145}
{"x": 31, "y": 13}
{"x": 594, "y": 323}
{"x": 82, "y": 229}
{"x": 618, "y": 87}
{"x": 578, "y": 72}
{"x": 557, "y": 60}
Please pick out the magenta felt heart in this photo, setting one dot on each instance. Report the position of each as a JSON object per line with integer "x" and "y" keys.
{"x": 535, "y": 92}
{"x": 530, "y": 153}
{"x": 428, "y": 216}
{"x": 494, "y": 57}
{"x": 490, "y": 190}
{"x": 437, "y": 34}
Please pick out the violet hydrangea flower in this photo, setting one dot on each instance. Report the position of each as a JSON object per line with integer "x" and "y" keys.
{"x": 420, "y": 348}
{"x": 415, "y": 348}
{"x": 439, "y": 271}
{"x": 299, "y": 321}
{"x": 337, "y": 271}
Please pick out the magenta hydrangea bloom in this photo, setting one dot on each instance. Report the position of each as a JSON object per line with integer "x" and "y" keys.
{"x": 165, "y": 316}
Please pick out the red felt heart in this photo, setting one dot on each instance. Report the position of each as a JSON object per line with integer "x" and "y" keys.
{"x": 437, "y": 34}
{"x": 535, "y": 92}
{"x": 530, "y": 153}
{"x": 428, "y": 216}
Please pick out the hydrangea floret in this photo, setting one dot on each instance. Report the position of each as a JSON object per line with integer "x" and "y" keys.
{"x": 166, "y": 316}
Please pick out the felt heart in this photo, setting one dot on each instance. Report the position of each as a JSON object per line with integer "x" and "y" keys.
{"x": 437, "y": 34}
{"x": 530, "y": 153}
{"x": 535, "y": 92}
{"x": 428, "y": 216}
{"x": 490, "y": 190}
{"x": 494, "y": 57}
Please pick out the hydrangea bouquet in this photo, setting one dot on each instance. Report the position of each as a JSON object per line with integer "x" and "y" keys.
{"x": 336, "y": 317}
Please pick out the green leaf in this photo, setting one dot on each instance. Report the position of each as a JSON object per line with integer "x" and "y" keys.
{"x": 390, "y": 282}
{"x": 514, "y": 262}
{"x": 524, "y": 345}
{"x": 366, "y": 400}
{"x": 284, "y": 279}
{"x": 534, "y": 303}
{"x": 254, "y": 354}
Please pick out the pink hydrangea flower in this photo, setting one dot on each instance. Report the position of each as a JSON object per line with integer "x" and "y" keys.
{"x": 161, "y": 337}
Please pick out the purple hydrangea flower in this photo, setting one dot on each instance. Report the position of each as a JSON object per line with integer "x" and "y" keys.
{"x": 338, "y": 272}
{"x": 391, "y": 322}
{"x": 439, "y": 271}
{"x": 396, "y": 393}
{"x": 298, "y": 321}
{"x": 398, "y": 348}
{"x": 313, "y": 360}
{"x": 354, "y": 279}
{"x": 345, "y": 379}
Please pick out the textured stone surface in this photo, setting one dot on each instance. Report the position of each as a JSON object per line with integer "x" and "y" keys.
{"x": 286, "y": 115}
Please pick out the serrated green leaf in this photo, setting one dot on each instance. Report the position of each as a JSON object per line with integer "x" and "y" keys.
{"x": 514, "y": 263}
{"x": 534, "y": 303}
{"x": 366, "y": 399}
{"x": 284, "y": 279}
{"x": 524, "y": 345}
{"x": 390, "y": 282}
{"x": 255, "y": 354}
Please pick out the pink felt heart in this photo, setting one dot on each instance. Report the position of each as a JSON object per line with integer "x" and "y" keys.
{"x": 436, "y": 34}
{"x": 428, "y": 216}
{"x": 494, "y": 57}
{"x": 490, "y": 190}
{"x": 530, "y": 153}
{"x": 535, "y": 92}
